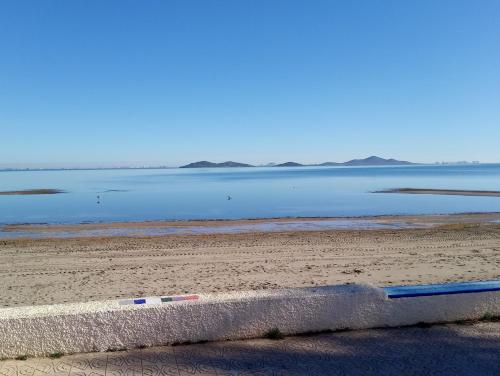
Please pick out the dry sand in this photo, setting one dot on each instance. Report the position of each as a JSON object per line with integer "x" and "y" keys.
{"x": 47, "y": 271}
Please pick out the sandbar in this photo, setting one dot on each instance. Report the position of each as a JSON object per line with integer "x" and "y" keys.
{"x": 451, "y": 192}
{"x": 44, "y": 191}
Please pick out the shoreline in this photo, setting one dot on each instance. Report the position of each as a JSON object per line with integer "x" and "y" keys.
{"x": 173, "y": 222}
{"x": 222, "y": 226}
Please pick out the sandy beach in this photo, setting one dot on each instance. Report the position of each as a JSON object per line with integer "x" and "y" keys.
{"x": 60, "y": 270}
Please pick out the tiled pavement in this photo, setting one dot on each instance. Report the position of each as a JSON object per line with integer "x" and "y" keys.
{"x": 439, "y": 350}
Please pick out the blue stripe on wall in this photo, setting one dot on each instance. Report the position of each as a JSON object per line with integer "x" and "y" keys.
{"x": 441, "y": 289}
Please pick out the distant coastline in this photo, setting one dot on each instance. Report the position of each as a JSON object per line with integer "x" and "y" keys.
{"x": 206, "y": 164}
{"x": 370, "y": 161}
{"x": 33, "y": 169}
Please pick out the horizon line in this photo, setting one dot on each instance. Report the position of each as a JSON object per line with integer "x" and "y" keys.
{"x": 165, "y": 167}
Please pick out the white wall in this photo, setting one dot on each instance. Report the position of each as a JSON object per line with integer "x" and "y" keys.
{"x": 99, "y": 326}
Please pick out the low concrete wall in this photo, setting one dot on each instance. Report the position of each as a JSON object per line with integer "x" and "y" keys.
{"x": 99, "y": 326}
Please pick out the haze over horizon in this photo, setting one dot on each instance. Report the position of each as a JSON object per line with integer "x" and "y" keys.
{"x": 166, "y": 165}
{"x": 96, "y": 84}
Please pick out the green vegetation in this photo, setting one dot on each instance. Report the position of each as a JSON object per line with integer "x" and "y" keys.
{"x": 423, "y": 325}
{"x": 56, "y": 355}
{"x": 490, "y": 317}
{"x": 487, "y": 317}
{"x": 466, "y": 322}
{"x": 115, "y": 349}
{"x": 274, "y": 334}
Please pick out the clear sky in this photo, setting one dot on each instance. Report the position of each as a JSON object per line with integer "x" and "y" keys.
{"x": 168, "y": 82}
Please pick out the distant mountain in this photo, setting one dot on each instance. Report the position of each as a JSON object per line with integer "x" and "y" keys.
{"x": 370, "y": 161}
{"x": 289, "y": 164}
{"x": 205, "y": 164}
{"x": 376, "y": 161}
{"x": 330, "y": 164}
{"x": 234, "y": 164}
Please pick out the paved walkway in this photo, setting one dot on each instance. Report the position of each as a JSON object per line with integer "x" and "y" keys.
{"x": 439, "y": 350}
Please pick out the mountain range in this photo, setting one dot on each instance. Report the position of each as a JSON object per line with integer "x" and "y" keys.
{"x": 370, "y": 161}
{"x": 205, "y": 164}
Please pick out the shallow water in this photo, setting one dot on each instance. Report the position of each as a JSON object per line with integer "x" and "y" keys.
{"x": 268, "y": 226}
{"x": 180, "y": 194}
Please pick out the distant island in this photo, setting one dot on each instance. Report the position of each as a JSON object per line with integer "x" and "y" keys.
{"x": 370, "y": 161}
{"x": 205, "y": 164}
{"x": 289, "y": 164}
{"x": 376, "y": 161}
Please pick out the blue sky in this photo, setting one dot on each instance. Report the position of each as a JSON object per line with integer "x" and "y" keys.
{"x": 98, "y": 82}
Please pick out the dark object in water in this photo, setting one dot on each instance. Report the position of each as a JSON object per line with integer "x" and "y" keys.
{"x": 32, "y": 192}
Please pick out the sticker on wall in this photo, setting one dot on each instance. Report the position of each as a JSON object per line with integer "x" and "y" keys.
{"x": 159, "y": 300}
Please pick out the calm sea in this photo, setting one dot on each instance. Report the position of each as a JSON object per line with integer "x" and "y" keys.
{"x": 135, "y": 195}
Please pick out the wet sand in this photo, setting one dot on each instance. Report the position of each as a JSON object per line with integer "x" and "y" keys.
{"x": 162, "y": 228}
{"x": 47, "y": 271}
